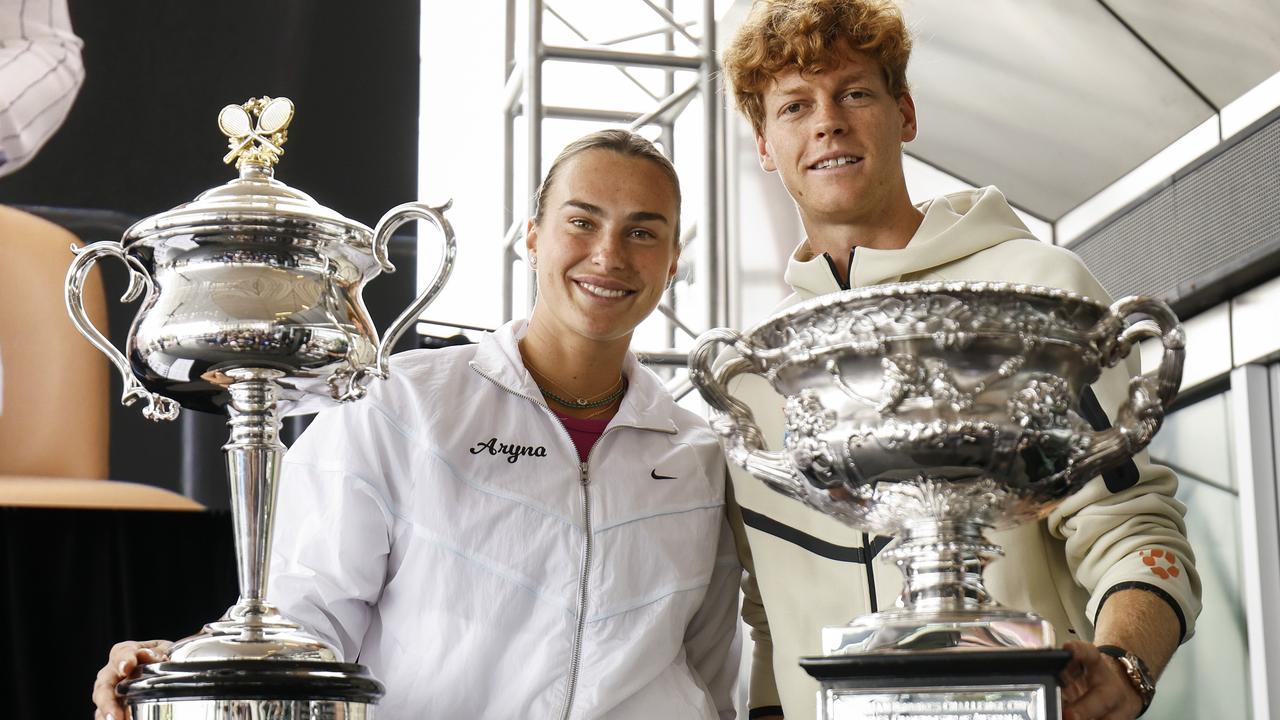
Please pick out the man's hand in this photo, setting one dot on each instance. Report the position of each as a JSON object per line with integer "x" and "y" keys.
{"x": 124, "y": 658}
{"x": 1095, "y": 687}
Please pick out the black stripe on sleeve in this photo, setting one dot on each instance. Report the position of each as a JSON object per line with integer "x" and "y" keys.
{"x": 1158, "y": 592}
{"x": 817, "y": 546}
{"x": 1124, "y": 475}
{"x": 764, "y": 711}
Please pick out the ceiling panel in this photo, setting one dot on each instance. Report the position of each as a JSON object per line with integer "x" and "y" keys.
{"x": 1223, "y": 47}
{"x": 1051, "y": 100}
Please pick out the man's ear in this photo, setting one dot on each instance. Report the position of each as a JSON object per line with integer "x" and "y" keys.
{"x": 907, "y": 107}
{"x": 766, "y": 154}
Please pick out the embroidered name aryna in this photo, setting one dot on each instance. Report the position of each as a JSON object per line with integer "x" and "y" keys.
{"x": 513, "y": 451}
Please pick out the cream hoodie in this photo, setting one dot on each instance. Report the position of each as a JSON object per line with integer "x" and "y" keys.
{"x": 806, "y": 570}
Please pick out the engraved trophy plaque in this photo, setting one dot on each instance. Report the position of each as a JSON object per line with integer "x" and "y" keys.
{"x": 930, "y": 413}
{"x": 252, "y": 307}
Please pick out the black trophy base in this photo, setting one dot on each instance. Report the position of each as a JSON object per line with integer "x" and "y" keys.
{"x": 280, "y": 690}
{"x": 945, "y": 685}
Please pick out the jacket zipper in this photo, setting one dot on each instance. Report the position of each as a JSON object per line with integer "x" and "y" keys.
{"x": 866, "y": 539}
{"x": 869, "y": 556}
{"x": 575, "y": 659}
{"x": 831, "y": 265}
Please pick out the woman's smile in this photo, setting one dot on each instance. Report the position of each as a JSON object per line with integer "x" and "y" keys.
{"x": 601, "y": 288}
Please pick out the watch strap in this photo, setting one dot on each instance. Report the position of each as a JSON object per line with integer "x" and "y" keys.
{"x": 1136, "y": 671}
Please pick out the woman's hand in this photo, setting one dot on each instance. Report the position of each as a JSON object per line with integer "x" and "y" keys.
{"x": 124, "y": 658}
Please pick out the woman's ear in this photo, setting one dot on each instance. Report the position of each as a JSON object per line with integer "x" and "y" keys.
{"x": 531, "y": 240}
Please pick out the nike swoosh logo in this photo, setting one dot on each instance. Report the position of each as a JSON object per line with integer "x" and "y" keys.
{"x": 654, "y": 474}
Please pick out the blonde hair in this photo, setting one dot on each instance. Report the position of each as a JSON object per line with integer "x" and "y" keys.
{"x": 623, "y": 142}
{"x": 808, "y": 35}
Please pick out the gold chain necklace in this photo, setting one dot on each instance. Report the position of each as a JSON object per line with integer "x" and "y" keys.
{"x": 601, "y": 411}
{"x": 604, "y": 398}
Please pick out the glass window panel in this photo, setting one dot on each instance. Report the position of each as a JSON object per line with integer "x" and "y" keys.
{"x": 1209, "y": 676}
{"x": 1195, "y": 442}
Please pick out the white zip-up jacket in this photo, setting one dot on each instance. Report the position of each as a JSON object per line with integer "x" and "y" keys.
{"x": 442, "y": 532}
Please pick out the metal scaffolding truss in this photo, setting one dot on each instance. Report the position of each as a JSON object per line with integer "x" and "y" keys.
{"x": 527, "y": 66}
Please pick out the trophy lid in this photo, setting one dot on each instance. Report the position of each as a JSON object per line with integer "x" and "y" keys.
{"x": 256, "y": 132}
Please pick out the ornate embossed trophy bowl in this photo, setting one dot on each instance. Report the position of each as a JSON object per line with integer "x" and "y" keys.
{"x": 931, "y": 412}
{"x": 253, "y": 307}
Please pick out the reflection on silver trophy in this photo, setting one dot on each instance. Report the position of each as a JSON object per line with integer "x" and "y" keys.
{"x": 930, "y": 413}
{"x": 251, "y": 305}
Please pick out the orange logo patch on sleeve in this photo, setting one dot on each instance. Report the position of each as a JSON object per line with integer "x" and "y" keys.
{"x": 1163, "y": 563}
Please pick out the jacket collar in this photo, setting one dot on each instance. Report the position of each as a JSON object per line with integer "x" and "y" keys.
{"x": 647, "y": 404}
{"x": 954, "y": 226}
{"x": 810, "y": 275}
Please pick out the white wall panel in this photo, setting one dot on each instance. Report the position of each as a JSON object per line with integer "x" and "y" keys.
{"x": 1208, "y": 348}
{"x": 1255, "y": 316}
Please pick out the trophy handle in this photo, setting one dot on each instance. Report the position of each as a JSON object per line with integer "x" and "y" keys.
{"x": 744, "y": 443}
{"x": 158, "y": 407}
{"x": 1149, "y": 395}
{"x": 394, "y": 218}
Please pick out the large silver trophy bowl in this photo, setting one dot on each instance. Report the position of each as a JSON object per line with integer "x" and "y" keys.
{"x": 930, "y": 413}
{"x": 251, "y": 306}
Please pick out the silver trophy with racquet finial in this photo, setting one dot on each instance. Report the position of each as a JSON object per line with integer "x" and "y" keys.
{"x": 251, "y": 307}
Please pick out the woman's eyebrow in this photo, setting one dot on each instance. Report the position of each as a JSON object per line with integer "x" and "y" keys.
{"x": 585, "y": 207}
{"x": 637, "y": 216}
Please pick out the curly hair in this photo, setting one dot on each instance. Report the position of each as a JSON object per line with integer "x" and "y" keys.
{"x": 808, "y": 35}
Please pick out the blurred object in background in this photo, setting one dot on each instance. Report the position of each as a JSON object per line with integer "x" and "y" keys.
{"x": 53, "y": 413}
{"x": 54, "y": 419}
{"x": 137, "y": 143}
{"x": 40, "y": 72}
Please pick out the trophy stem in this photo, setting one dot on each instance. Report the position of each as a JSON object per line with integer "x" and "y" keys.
{"x": 944, "y": 604}
{"x": 942, "y": 564}
{"x": 253, "y": 467}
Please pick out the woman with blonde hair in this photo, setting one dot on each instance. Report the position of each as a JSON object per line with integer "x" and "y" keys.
{"x": 529, "y": 526}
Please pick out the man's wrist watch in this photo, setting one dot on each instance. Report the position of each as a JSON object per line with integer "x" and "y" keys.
{"x": 1136, "y": 670}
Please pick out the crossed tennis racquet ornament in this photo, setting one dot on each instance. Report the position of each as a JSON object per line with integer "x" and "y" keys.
{"x": 260, "y": 142}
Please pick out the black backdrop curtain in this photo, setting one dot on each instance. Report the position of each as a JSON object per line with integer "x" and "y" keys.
{"x": 141, "y": 138}
{"x": 78, "y": 581}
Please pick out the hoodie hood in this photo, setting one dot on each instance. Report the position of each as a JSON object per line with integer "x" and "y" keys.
{"x": 955, "y": 226}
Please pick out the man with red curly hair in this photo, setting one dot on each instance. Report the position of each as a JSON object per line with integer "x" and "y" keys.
{"x": 824, "y": 85}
